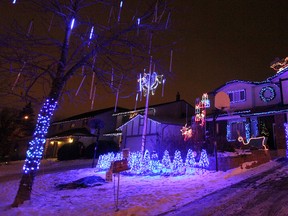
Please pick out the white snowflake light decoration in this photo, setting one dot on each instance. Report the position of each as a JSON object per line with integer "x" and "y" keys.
{"x": 155, "y": 80}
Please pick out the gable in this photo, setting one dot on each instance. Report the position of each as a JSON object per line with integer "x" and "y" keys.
{"x": 137, "y": 120}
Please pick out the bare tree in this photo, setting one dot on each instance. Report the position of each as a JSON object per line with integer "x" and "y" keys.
{"x": 103, "y": 42}
{"x": 10, "y": 129}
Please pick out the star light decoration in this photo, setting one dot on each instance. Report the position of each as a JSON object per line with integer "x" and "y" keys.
{"x": 155, "y": 80}
{"x": 186, "y": 132}
{"x": 200, "y": 109}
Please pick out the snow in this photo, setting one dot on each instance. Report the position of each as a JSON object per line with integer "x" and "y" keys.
{"x": 138, "y": 195}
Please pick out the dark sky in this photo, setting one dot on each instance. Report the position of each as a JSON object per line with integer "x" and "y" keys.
{"x": 223, "y": 40}
{"x": 216, "y": 41}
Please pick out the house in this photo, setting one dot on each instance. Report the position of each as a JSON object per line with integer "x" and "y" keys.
{"x": 256, "y": 109}
{"x": 164, "y": 122}
{"x": 86, "y": 128}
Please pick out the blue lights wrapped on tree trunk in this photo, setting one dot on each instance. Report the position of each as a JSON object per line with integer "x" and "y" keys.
{"x": 36, "y": 145}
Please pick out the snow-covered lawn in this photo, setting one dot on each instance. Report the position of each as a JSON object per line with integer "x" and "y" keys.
{"x": 138, "y": 195}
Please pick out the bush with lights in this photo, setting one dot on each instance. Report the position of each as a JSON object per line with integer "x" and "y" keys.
{"x": 190, "y": 162}
{"x": 166, "y": 163}
{"x": 151, "y": 165}
{"x": 177, "y": 164}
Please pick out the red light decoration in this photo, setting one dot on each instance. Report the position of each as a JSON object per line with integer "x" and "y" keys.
{"x": 186, "y": 132}
{"x": 200, "y": 109}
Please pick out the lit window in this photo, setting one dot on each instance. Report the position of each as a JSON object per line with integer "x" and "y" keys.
{"x": 234, "y": 129}
{"x": 237, "y": 96}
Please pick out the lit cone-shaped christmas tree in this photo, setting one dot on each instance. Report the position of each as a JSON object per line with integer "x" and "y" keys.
{"x": 145, "y": 165}
{"x": 190, "y": 162}
{"x": 118, "y": 156}
{"x": 104, "y": 161}
{"x": 154, "y": 163}
{"x": 204, "y": 161}
{"x": 166, "y": 163}
{"x": 178, "y": 165}
{"x": 134, "y": 162}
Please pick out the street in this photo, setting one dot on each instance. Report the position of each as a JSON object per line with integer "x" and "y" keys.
{"x": 46, "y": 166}
{"x": 265, "y": 194}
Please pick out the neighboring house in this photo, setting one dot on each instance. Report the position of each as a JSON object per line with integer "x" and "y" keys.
{"x": 82, "y": 128}
{"x": 256, "y": 109}
{"x": 163, "y": 127}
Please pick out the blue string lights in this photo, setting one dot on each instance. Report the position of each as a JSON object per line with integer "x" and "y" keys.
{"x": 229, "y": 133}
{"x": 154, "y": 163}
{"x": 267, "y": 94}
{"x": 190, "y": 159}
{"x": 166, "y": 162}
{"x": 151, "y": 165}
{"x": 286, "y": 137}
{"x": 177, "y": 164}
{"x": 204, "y": 161}
{"x": 36, "y": 145}
{"x": 247, "y": 130}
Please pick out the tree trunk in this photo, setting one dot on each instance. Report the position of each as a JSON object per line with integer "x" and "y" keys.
{"x": 25, "y": 189}
{"x": 35, "y": 151}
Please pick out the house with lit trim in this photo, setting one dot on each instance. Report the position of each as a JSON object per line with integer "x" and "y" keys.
{"x": 256, "y": 109}
{"x": 164, "y": 123}
{"x": 86, "y": 128}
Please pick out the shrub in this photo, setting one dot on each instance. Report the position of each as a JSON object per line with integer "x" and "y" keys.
{"x": 70, "y": 151}
{"x": 103, "y": 147}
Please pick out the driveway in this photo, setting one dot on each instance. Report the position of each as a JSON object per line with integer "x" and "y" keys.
{"x": 264, "y": 194}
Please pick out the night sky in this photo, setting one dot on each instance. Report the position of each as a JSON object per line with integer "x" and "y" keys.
{"x": 215, "y": 41}
{"x": 227, "y": 40}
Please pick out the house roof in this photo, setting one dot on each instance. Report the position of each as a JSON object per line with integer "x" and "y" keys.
{"x": 268, "y": 80}
{"x": 84, "y": 132}
{"x": 151, "y": 107}
{"x": 256, "y": 111}
{"x": 167, "y": 103}
{"x": 90, "y": 114}
{"x": 279, "y": 73}
{"x": 169, "y": 120}
{"x": 158, "y": 119}
{"x": 266, "y": 111}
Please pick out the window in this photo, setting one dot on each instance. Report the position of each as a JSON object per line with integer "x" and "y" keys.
{"x": 234, "y": 129}
{"x": 84, "y": 123}
{"x": 237, "y": 96}
{"x": 60, "y": 126}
